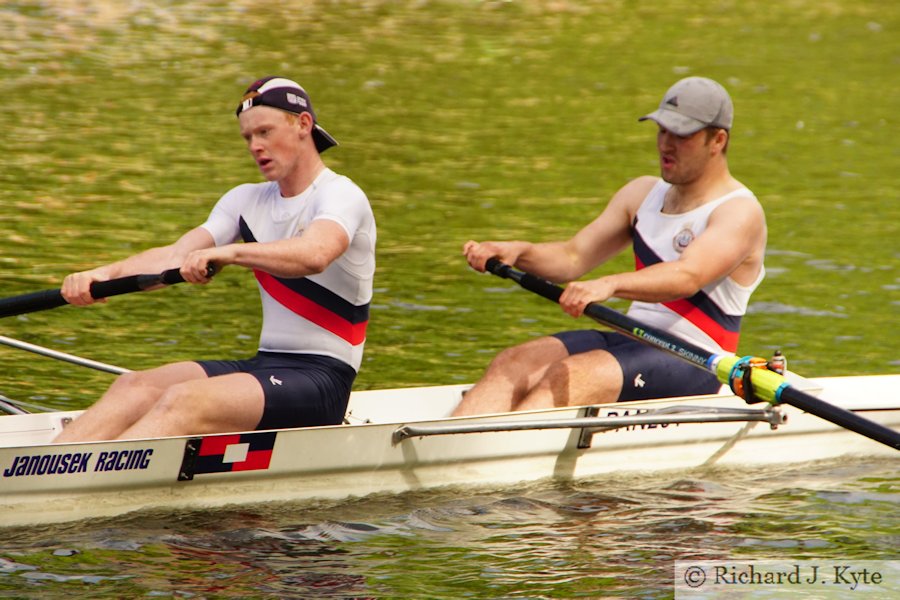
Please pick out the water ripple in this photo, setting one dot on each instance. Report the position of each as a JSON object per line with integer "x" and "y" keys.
{"x": 778, "y": 308}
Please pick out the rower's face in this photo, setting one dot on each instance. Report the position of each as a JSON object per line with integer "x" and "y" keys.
{"x": 273, "y": 139}
{"x": 682, "y": 159}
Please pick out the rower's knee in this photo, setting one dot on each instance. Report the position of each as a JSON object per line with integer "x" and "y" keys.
{"x": 510, "y": 369}
{"x": 508, "y": 360}
{"x": 528, "y": 358}
{"x": 176, "y": 399}
{"x": 132, "y": 380}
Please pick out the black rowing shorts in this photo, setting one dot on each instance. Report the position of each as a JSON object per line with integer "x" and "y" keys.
{"x": 648, "y": 372}
{"x": 301, "y": 390}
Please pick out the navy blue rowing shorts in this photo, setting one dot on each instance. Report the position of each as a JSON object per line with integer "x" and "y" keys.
{"x": 301, "y": 390}
{"x": 648, "y": 372}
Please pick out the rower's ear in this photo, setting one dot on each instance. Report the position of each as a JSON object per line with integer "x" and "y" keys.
{"x": 306, "y": 120}
{"x": 303, "y": 119}
{"x": 720, "y": 139}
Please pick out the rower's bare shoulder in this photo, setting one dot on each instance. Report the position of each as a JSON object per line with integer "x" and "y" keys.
{"x": 640, "y": 186}
{"x": 747, "y": 198}
{"x": 633, "y": 193}
{"x": 743, "y": 213}
{"x": 744, "y": 203}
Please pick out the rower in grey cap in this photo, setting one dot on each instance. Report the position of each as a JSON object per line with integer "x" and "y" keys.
{"x": 698, "y": 236}
{"x": 307, "y": 235}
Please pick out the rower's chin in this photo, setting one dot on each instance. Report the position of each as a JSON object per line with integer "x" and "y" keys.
{"x": 667, "y": 174}
{"x": 268, "y": 171}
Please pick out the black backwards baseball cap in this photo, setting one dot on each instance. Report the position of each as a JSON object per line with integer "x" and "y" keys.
{"x": 289, "y": 96}
{"x": 692, "y": 104}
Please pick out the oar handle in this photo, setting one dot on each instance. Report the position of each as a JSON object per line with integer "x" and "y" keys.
{"x": 47, "y": 299}
{"x": 530, "y": 282}
{"x": 134, "y": 283}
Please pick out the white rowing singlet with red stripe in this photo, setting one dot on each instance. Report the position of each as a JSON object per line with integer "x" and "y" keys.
{"x": 323, "y": 314}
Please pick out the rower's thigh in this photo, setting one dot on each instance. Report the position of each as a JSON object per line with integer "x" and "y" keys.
{"x": 159, "y": 378}
{"x": 590, "y": 377}
{"x": 633, "y": 369}
{"x": 649, "y": 372}
{"x": 231, "y": 402}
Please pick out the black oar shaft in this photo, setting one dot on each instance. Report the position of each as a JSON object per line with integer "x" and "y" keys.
{"x": 47, "y": 299}
{"x": 844, "y": 418}
{"x": 32, "y": 302}
{"x": 701, "y": 358}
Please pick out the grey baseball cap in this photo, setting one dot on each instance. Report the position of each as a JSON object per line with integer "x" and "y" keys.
{"x": 693, "y": 104}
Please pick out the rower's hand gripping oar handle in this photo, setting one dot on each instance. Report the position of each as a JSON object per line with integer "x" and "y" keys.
{"x": 139, "y": 283}
{"x": 530, "y": 282}
{"x": 47, "y": 299}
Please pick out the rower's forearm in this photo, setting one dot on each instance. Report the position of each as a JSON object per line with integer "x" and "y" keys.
{"x": 279, "y": 259}
{"x": 154, "y": 260}
{"x": 658, "y": 283}
{"x": 550, "y": 260}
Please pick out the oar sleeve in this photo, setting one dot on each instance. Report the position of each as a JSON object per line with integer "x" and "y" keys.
{"x": 32, "y": 302}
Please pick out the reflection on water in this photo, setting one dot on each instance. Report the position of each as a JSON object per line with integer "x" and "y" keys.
{"x": 612, "y": 535}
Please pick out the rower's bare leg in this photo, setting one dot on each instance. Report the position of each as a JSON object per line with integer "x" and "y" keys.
{"x": 220, "y": 404}
{"x": 510, "y": 377}
{"x": 129, "y": 397}
{"x": 589, "y": 378}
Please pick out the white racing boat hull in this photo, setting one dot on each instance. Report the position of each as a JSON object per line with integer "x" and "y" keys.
{"x": 41, "y": 482}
